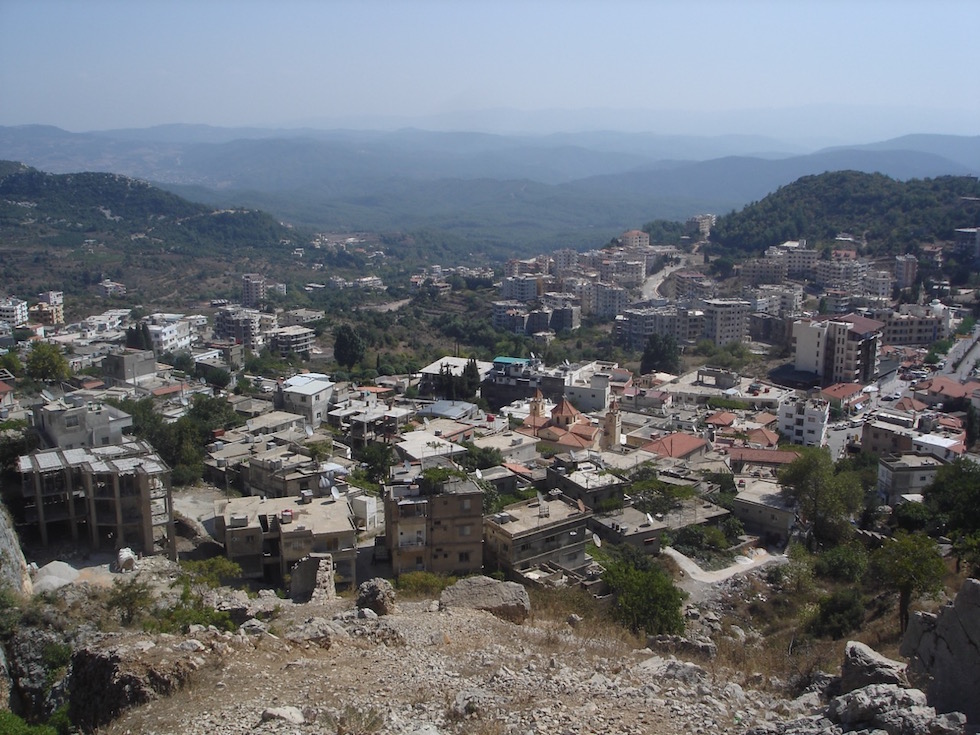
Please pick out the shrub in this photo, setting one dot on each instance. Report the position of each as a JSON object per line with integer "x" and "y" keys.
{"x": 839, "y": 614}
{"x": 11, "y": 724}
{"x": 423, "y": 584}
{"x": 846, "y": 563}
{"x": 646, "y": 599}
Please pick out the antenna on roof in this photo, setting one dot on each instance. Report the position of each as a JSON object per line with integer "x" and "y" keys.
{"x": 309, "y": 430}
{"x": 597, "y": 541}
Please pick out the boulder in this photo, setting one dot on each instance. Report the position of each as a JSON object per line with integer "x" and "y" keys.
{"x": 506, "y": 600}
{"x": 944, "y": 649}
{"x": 377, "y": 595}
{"x": 894, "y": 709}
{"x": 292, "y": 715}
{"x": 863, "y": 665}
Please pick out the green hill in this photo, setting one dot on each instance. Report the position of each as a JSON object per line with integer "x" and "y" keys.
{"x": 890, "y": 215}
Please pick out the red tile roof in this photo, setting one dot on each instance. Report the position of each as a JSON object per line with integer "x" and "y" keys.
{"x": 762, "y": 456}
{"x": 678, "y": 445}
{"x": 721, "y": 418}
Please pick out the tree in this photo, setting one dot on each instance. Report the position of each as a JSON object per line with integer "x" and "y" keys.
{"x": 348, "y": 348}
{"x": 909, "y": 563}
{"x": 45, "y": 362}
{"x": 11, "y": 362}
{"x": 824, "y": 500}
{"x": 661, "y": 354}
{"x": 132, "y": 598}
{"x": 646, "y": 598}
{"x": 954, "y": 496}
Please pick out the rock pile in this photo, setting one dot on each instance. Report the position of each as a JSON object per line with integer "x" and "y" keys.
{"x": 506, "y": 600}
{"x": 376, "y": 595}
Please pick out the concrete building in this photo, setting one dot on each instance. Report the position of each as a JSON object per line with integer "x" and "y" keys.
{"x": 129, "y": 366}
{"x": 47, "y": 314}
{"x": 610, "y": 300}
{"x": 635, "y": 239}
{"x": 116, "y": 496}
{"x": 521, "y": 288}
{"x": 547, "y": 534}
{"x": 307, "y": 394}
{"x": 13, "y": 311}
{"x": 804, "y": 420}
{"x": 585, "y": 481}
{"x": 168, "y": 333}
{"x": 761, "y": 507}
{"x": 756, "y": 271}
{"x": 635, "y": 326}
{"x": 69, "y": 423}
{"x": 243, "y": 325}
{"x": 435, "y": 525}
{"x": 293, "y": 340}
{"x": 726, "y": 321}
{"x": 838, "y": 349}
{"x": 906, "y": 270}
{"x": 267, "y": 537}
{"x": 905, "y": 474}
{"x": 800, "y": 260}
{"x": 254, "y": 289}
{"x": 109, "y": 289}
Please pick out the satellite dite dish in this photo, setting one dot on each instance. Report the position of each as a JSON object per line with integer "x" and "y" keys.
{"x": 540, "y": 497}
{"x": 324, "y": 482}
{"x": 309, "y": 430}
{"x": 203, "y": 381}
{"x": 649, "y": 519}
{"x": 183, "y": 400}
{"x": 425, "y": 421}
{"x": 597, "y": 541}
{"x": 479, "y": 474}
{"x": 335, "y": 493}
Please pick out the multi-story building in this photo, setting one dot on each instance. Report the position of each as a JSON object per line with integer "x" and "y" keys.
{"x": 726, "y": 321}
{"x": 635, "y": 239}
{"x": 69, "y": 423}
{"x": 966, "y": 242}
{"x": 13, "y": 311}
{"x": 906, "y": 270}
{"x": 522, "y": 288}
{"x": 878, "y": 284}
{"x": 308, "y": 395}
{"x": 841, "y": 274}
{"x": 922, "y": 328}
{"x": 168, "y": 333}
{"x": 549, "y": 533}
{"x": 609, "y": 300}
{"x": 47, "y": 314}
{"x": 52, "y": 298}
{"x": 564, "y": 262}
{"x": 905, "y": 474}
{"x": 763, "y": 270}
{"x": 785, "y": 299}
{"x": 129, "y": 366}
{"x": 267, "y": 537}
{"x": 241, "y": 325}
{"x": 692, "y": 285}
{"x": 254, "y": 290}
{"x": 685, "y": 325}
{"x": 838, "y": 349}
{"x": 804, "y": 420}
{"x": 435, "y": 525}
{"x": 108, "y": 288}
{"x": 800, "y": 260}
{"x": 294, "y": 340}
{"x": 117, "y": 495}
{"x": 763, "y": 509}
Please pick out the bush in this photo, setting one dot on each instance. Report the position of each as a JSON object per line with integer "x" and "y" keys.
{"x": 845, "y": 563}
{"x": 423, "y": 584}
{"x": 11, "y": 724}
{"x": 912, "y": 517}
{"x": 839, "y": 614}
{"x": 646, "y": 599}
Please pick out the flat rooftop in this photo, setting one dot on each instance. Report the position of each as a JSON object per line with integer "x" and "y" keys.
{"x": 321, "y": 516}
{"x": 534, "y": 515}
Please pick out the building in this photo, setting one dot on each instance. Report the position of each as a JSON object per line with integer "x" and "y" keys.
{"x": 635, "y": 239}
{"x": 69, "y": 423}
{"x": 838, "y": 349}
{"x": 804, "y": 420}
{"x": 906, "y": 270}
{"x": 609, "y": 300}
{"x": 908, "y": 473}
{"x": 267, "y": 537}
{"x": 240, "y": 325}
{"x": 306, "y": 394}
{"x": 129, "y": 366}
{"x": 726, "y": 321}
{"x": 800, "y": 260}
{"x": 109, "y": 289}
{"x": 635, "y": 326}
{"x": 585, "y": 481}
{"x": 435, "y": 525}
{"x": 692, "y": 285}
{"x": 254, "y": 290}
{"x": 293, "y": 340}
{"x": 168, "y": 333}
{"x": 761, "y": 507}
{"x": 549, "y": 534}
{"x": 757, "y": 271}
{"x": 47, "y": 314}
{"x": 522, "y": 288}
{"x": 117, "y": 496}
{"x": 14, "y": 311}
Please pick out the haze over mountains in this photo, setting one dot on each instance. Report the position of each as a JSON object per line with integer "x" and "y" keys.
{"x": 516, "y": 191}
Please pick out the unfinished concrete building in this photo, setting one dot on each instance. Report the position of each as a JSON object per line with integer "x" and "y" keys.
{"x": 116, "y": 496}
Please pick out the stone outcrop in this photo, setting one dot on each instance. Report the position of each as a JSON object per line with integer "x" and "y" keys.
{"x": 506, "y": 600}
{"x": 13, "y": 567}
{"x": 863, "y": 666}
{"x": 377, "y": 595}
{"x": 944, "y": 649}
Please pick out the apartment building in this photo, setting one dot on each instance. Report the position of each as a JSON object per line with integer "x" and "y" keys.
{"x": 841, "y": 274}
{"x": 267, "y": 537}
{"x": 610, "y": 300}
{"x": 292, "y": 340}
{"x": 635, "y": 239}
{"x": 13, "y": 311}
{"x": 726, "y": 320}
{"x": 523, "y": 288}
{"x": 47, "y": 314}
{"x": 842, "y": 349}
{"x": 254, "y": 290}
{"x": 800, "y": 260}
{"x": 804, "y": 420}
{"x": 634, "y": 326}
{"x": 908, "y": 473}
{"x": 692, "y": 286}
{"x": 307, "y": 394}
{"x": 168, "y": 333}
{"x": 114, "y": 496}
{"x": 906, "y": 270}
{"x": 435, "y": 525}
{"x": 241, "y": 325}
{"x": 72, "y": 422}
{"x": 757, "y": 271}
{"x": 129, "y": 366}
{"x": 547, "y": 534}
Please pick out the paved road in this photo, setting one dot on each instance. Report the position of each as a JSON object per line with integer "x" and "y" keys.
{"x": 651, "y": 286}
{"x": 699, "y": 583}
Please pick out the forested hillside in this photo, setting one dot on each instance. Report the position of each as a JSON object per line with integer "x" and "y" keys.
{"x": 890, "y": 215}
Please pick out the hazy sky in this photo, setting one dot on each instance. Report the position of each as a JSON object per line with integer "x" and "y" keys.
{"x": 97, "y": 64}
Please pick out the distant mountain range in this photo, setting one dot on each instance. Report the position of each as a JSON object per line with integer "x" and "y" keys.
{"x": 508, "y": 193}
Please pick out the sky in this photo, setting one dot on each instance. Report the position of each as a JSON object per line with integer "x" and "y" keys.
{"x": 797, "y": 67}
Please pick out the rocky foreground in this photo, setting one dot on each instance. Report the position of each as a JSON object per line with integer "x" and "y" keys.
{"x": 478, "y": 660}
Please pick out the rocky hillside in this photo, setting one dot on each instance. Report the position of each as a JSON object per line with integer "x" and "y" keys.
{"x": 433, "y": 667}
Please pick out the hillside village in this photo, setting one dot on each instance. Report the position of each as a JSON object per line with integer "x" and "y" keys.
{"x": 510, "y": 466}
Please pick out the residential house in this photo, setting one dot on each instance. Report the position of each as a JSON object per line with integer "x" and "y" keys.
{"x": 762, "y": 508}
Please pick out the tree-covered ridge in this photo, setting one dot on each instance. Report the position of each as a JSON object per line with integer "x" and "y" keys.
{"x": 109, "y": 206}
{"x": 889, "y": 214}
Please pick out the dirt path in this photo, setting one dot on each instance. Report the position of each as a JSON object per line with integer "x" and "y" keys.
{"x": 698, "y": 583}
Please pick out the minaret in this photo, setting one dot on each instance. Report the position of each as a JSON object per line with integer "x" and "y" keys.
{"x": 612, "y": 426}
{"x": 536, "y": 410}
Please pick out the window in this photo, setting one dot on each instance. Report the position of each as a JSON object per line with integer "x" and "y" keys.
{"x": 464, "y": 557}
{"x": 466, "y": 503}
{"x": 465, "y": 530}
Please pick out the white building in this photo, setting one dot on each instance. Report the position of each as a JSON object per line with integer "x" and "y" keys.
{"x": 308, "y": 395}
{"x": 726, "y": 321}
{"x": 13, "y": 311}
{"x": 168, "y": 333}
{"x": 804, "y": 420}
